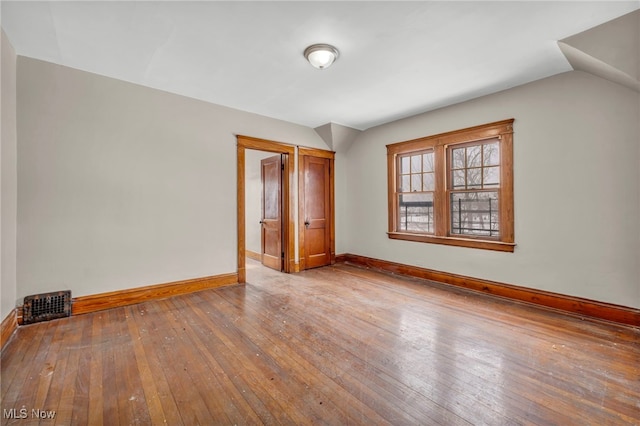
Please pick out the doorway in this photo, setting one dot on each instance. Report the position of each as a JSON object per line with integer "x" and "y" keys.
{"x": 290, "y": 192}
{"x": 286, "y": 153}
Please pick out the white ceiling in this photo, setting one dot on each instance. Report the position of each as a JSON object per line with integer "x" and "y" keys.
{"x": 397, "y": 58}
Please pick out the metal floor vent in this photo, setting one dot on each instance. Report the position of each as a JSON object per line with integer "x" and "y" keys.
{"x": 46, "y": 306}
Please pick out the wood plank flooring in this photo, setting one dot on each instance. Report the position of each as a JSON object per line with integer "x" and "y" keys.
{"x": 337, "y": 345}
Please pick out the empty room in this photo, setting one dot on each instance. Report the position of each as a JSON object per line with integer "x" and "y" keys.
{"x": 320, "y": 212}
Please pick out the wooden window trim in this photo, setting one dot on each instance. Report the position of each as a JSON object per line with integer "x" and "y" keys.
{"x": 503, "y": 131}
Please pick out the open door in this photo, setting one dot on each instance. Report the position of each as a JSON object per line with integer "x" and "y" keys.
{"x": 316, "y": 213}
{"x": 271, "y": 254}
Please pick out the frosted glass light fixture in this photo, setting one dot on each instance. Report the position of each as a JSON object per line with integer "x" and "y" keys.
{"x": 321, "y": 56}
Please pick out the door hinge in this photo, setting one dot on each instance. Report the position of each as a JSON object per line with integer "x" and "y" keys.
{"x": 283, "y": 255}
{"x": 282, "y": 166}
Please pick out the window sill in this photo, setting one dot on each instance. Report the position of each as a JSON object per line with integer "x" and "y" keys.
{"x": 452, "y": 241}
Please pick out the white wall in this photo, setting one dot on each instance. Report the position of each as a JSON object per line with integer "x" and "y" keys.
{"x": 577, "y": 189}
{"x": 121, "y": 186}
{"x": 8, "y": 180}
{"x": 341, "y": 195}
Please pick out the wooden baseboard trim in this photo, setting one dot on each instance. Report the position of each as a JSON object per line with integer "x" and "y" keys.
{"x": 341, "y": 258}
{"x": 568, "y": 304}
{"x": 8, "y": 327}
{"x": 99, "y": 302}
{"x": 253, "y": 255}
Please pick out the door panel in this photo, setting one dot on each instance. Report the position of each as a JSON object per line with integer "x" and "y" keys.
{"x": 271, "y": 235}
{"x": 317, "y": 211}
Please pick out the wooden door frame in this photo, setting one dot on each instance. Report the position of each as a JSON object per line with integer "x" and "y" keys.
{"x": 288, "y": 206}
{"x": 313, "y": 152}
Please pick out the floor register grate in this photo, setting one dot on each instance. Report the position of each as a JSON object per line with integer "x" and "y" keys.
{"x": 46, "y": 306}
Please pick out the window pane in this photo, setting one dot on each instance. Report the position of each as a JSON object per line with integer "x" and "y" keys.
{"x": 474, "y": 178}
{"x": 491, "y": 154}
{"x": 458, "y": 158}
{"x": 416, "y": 182}
{"x": 415, "y": 212}
{"x": 427, "y": 182}
{"x": 416, "y": 163}
{"x": 458, "y": 179}
{"x": 474, "y": 156}
{"x": 404, "y": 165}
{"x": 427, "y": 162}
{"x": 405, "y": 183}
{"x": 475, "y": 213}
{"x": 491, "y": 176}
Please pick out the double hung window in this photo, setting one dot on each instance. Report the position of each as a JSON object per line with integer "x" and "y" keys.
{"x": 454, "y": 188}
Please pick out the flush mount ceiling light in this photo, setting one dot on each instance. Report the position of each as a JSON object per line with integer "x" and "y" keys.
{"x": 321, "y": 56}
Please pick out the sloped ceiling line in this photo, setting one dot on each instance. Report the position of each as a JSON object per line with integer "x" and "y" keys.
{"x": 610, "y": 50}
{"x": 338, "y": 137}
{"x": 397, "y": 59}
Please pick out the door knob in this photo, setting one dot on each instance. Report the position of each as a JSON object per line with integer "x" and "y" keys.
{"x": 306, "y": 223}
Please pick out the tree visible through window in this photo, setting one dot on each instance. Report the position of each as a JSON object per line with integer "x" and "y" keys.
{"x": 454, "y": 188}
{"x": 475, "y": 183}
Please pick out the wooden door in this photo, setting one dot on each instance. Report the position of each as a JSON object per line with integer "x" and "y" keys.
{"x": 271, "y": 218}
{"x": 316, "y": 211}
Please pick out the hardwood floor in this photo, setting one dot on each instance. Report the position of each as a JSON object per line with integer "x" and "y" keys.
{"x": 336, "y": 345}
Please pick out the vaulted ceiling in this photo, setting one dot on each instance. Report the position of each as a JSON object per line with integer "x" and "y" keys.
{"x": 397, "y": 58}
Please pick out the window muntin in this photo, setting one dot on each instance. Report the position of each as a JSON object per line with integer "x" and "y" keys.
{"x": 454, "y": 188}
{"x": 475, "y": 165}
